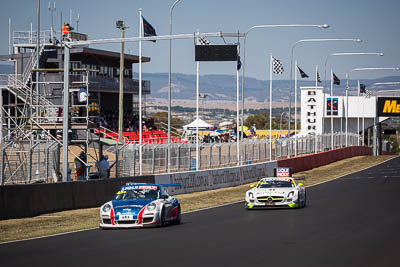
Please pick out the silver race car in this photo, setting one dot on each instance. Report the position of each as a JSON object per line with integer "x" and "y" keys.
{"x": 276, "y": 192}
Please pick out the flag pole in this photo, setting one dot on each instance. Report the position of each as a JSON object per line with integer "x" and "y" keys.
{"x": 197, "y": 111}
{"x": 140, "y": 92}
{"x": 316, "y": 88}
{"x": 237, "y": 116}
{"x": 358, "y": 112}
{"x": 347, "y": 107}
{"x": 270, "y": 107}
{"x": 331, "y": 109}
{"x": 295, "y": 108}
{"x": 363, "y": 120}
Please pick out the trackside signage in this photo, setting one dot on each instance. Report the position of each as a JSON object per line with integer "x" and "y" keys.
{"x": 216, "y": 178}
{"x": 389, "y": 106}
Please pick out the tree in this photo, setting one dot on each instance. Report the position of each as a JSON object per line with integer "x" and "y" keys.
{"x": 260, "y": 120}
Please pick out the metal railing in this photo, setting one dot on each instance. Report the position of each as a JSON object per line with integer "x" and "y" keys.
{"x": 217, "y": 155}
{"x": 30, "y": 37}
{"x": 42, "y": 163}
{"x": 31, "y": 64}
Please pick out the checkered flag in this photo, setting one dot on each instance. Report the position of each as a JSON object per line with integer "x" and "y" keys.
{"x": 277, "y": 66}
{"x": 204, "y": 41}
{"x": 367, "y": 93}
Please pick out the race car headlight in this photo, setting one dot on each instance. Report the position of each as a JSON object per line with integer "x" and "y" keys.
{"x": 106, "y": 208}
{"x": 151, "y": 206}
{"x": 291, "y": 194}
{"x": 251, "y": 196}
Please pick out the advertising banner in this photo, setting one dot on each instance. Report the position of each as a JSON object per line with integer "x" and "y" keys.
{"x": 388, "y": 106}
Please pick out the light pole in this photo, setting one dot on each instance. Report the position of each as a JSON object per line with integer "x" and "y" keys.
{"x": 169, "y": 85}
{"x": 347, "y": 90}
{"x": 323, "y": 26}
{"x": 291, "y": 65}
{"x": 78, "y": 18}
{"x": 52, "y": 9}
{"x": 120, "y": 25}
{"x": 388, "y": 83}
{"x": 203, "y": 97}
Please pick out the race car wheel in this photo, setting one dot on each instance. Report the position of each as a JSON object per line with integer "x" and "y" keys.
{"x": 178, "y": 216}
{"x": 162, "y": 218}
{"x": 305, "y": 200}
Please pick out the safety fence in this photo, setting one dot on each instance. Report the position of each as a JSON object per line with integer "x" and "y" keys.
{"x": 218, "y": 155}
{"x": 42, "y": 163}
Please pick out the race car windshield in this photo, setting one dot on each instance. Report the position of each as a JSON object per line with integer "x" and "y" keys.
{"x": 136, "y": 194}
{"x": 275, "y": 184}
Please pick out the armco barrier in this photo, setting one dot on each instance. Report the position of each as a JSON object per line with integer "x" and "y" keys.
{"x": 308, "y": 162}
{"x": 193, "y": 181}
{"x": 18, "y": 201}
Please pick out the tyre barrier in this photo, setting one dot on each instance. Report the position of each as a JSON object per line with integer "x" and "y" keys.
{"x": 19, "y": 201}
{"x": 308, "y": 162}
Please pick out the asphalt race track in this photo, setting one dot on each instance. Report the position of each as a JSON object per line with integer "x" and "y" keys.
{"x": 351, "y": 221}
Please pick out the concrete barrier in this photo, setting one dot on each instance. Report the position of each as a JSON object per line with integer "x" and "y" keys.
{"x": 18, "y": 201}
{"x": 193, "y": 181}
{"x": 308, "y": 162}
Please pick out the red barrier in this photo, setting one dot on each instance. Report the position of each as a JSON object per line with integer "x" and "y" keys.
{"x": 308, "y": 162}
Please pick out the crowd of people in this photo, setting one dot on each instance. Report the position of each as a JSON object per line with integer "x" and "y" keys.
{"x": 109, "y": 120}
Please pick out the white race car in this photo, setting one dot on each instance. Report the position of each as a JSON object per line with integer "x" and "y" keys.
{"x": 140, "y": 205}
{"x": 276, "y": 192}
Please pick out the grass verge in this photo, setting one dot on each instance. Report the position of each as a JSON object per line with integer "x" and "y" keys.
{"x": 73, "y": 220}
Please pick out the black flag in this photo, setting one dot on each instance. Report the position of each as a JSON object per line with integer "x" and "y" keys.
{"x": 362, "y": 88}
{"x": 335, "y": 79}
{"x": 239, "y": 63}
{"x": 148, "y": 30}
{"x": 302, "y": 73}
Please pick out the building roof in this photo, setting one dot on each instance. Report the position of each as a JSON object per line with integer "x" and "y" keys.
{"x": 128, "y": 58}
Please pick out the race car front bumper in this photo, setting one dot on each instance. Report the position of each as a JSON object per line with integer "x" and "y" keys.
{"x": 254, "y": 204}
{"x": 148, "y": 220}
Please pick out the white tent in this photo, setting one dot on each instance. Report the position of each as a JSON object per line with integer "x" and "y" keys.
{"x": 198, "y": 122}
{"x": 225, "y": 123}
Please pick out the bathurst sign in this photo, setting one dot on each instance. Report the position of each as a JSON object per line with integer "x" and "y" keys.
{"x": 389, "y": 106}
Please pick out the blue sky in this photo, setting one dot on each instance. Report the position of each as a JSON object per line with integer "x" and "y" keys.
{"x": 375, "y": 22}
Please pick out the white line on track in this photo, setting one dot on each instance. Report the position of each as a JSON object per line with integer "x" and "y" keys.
{"x": 192, "y": 211}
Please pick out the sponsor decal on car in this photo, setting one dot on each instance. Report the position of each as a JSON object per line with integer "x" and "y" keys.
{"x": 275, "y": 179}
{"x": 131, "y": 187}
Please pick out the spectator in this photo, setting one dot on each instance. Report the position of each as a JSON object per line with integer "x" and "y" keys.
{"x": 11, "y": 140}
{"x": 104, "y": 168}
{"x": 253, "y": 130}
{"x": 69, "y": 175}
{"x": 80, "y": 166}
